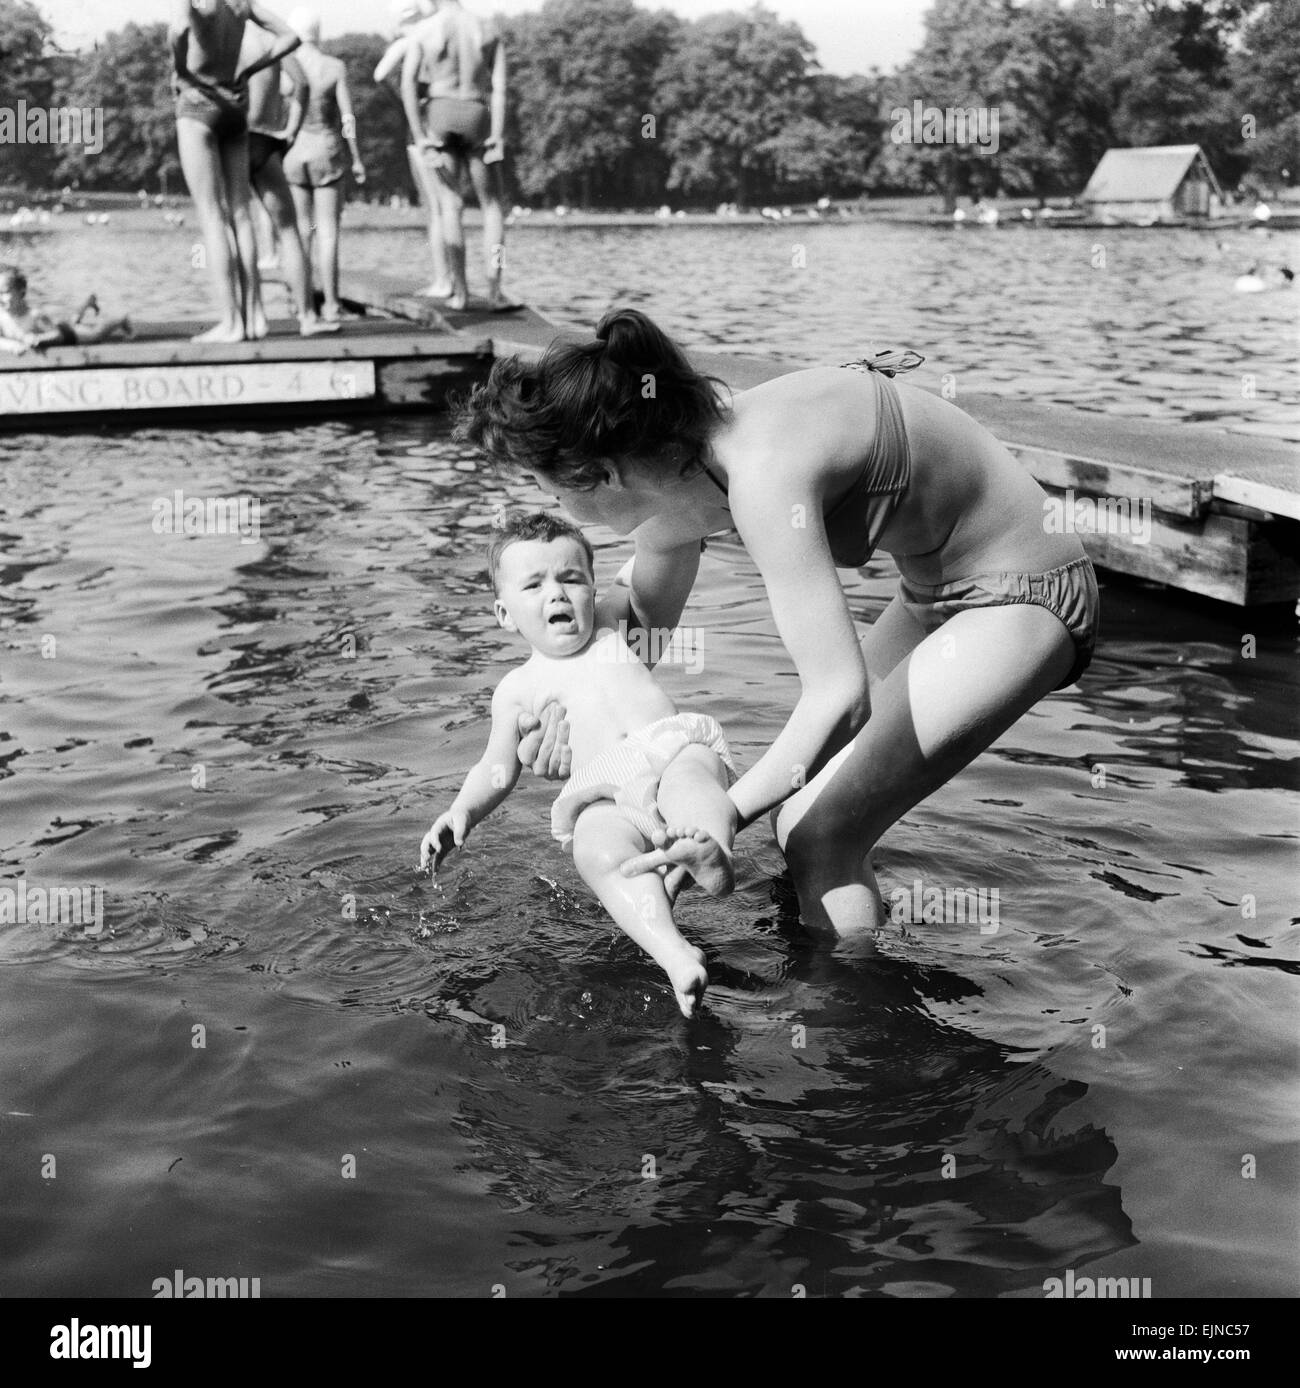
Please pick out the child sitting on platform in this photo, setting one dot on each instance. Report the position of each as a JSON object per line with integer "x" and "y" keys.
{"x": 23, "y": 328}
{"x": 644, "y": 774}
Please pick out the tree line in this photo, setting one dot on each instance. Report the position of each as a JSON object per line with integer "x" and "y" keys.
{"x": 617, "y": 105}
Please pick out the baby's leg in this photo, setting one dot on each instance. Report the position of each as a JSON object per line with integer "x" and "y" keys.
{"x": 700, "y": 821}
{"x": 602, "y": 841}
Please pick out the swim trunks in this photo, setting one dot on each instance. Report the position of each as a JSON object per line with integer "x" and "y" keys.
{"x": 262, "y": 148}
{"x": 457, "y": 124}
{"x": 225, "y": 122}
{"x": 318, "y": 159}
{"x": 629, "y": 773}
{"x": 1069, "y": 593}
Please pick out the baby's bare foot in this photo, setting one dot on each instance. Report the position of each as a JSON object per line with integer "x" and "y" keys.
{"x": 689, "y": 978}
{"x": 701, "y": 855}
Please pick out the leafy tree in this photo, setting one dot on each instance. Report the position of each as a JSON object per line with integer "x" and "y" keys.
{"x": 850, "y": 108}
{"x": 1046, "y": 145}
{"x": 581, "y": 76}
{"x": 26, "y": 75}
{"x": 1266, "y": 76}
{"x": 959, "y": 66}
{"x": 729, "y": 91}
{"x": 128, "y": 77}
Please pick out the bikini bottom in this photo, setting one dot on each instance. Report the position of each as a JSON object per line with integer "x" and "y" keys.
{"x": 1069, "y": 593}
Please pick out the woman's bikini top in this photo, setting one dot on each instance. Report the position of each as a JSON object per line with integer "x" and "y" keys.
{"x": 855, "y": 523}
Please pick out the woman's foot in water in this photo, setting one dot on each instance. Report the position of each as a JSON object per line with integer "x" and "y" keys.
{"x": 436, "y": 289}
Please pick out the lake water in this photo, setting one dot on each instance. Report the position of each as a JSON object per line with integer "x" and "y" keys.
{"x": 243, "y": 744}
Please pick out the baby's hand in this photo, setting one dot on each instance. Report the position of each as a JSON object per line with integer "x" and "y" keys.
{"x": 454, "y": 825}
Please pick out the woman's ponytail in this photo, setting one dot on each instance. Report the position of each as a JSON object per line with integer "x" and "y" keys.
{"x": 628, "y": 394}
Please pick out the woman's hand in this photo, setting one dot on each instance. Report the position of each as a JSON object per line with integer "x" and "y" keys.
{"x": 544, "y": 743}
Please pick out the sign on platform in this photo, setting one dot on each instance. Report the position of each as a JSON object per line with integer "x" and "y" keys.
{"x": 184, "y": 387}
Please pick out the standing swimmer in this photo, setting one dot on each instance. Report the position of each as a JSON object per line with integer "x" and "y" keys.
{"x": 271, "y": 133}
{"x": 316, "y": 164}
{"x": 212, "y": 134}
{"x": 407, "y": 14}
{"x": 462, "y": 127}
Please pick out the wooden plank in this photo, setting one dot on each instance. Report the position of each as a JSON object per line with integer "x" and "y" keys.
{"x": 221, "y": 385}
{"x": 429, "y": 382}
{"x": 1260, "y": 496}
{"x": 357, "y": 341}
{"x": 1231, "y": 558}
{"x": 1178, "y": 496}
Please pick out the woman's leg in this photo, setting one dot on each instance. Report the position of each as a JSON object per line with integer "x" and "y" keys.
{"x": 239, "y": 193}
{"x": 304, "y": 211}
{"x": 932, "y": 713}
{"x": 329, "y": 204}
{"x": 440, "y": 286}
{"x": 446, "y": 179}
{"x": 486, "y": 179}
{"x": 273, "y": 189}
{"x": 201, "y": 165}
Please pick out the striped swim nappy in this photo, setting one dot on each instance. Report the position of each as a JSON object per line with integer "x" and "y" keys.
{"x": 629, "y": 773}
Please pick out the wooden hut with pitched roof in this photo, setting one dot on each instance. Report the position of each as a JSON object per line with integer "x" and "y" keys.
{"x": 1159, "y": 184}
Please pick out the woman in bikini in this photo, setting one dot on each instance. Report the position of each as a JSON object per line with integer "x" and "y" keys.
{"x": 212, "y": 134}
{"x": 815, "y": 471}
{"x": 319, "y": 158}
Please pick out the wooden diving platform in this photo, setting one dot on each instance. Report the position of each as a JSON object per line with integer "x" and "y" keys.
{"x": 1203, "y": 510}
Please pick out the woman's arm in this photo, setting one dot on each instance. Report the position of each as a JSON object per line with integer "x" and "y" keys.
{"x": 285, "y": 39}
{"x": 393, "y": 55}
{"x": 651, "y": 589}
{"x": 179, "y": 34}
{"x": 349, "y": 124}
{"x": 496, "y": 139}
{"x": 779, "y": 517}
{"x": 410, "y": 97}
{"x": 293, "y": 86}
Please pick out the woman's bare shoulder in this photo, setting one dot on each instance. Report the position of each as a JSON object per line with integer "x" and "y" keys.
{"x": 815, "y": 414}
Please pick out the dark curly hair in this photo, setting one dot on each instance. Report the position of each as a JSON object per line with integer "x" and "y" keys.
{"x": 628, "y": 393}
{"x": 535, "y": 525}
